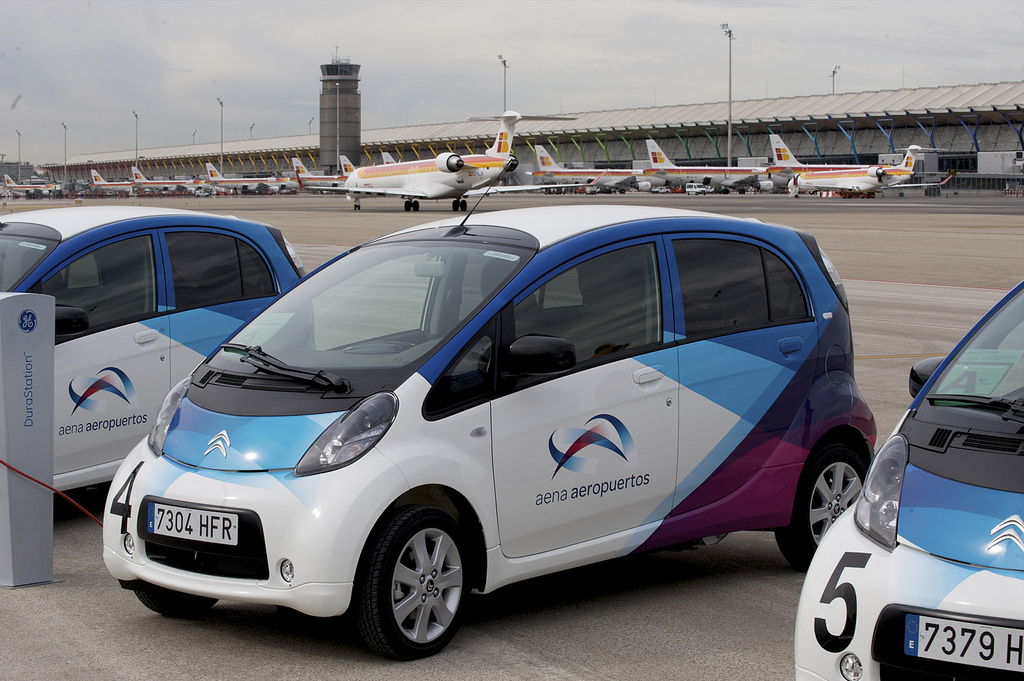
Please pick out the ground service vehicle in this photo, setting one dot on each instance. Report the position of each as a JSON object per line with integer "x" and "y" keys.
{"x": 696, "y": 188}
{"x": 926, "y": 579}
{"x": 477, "y": 401}
{"x": 142, "y": 296}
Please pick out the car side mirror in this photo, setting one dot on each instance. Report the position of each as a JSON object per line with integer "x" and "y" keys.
{"x": 921, "y": 372}
{"x": 535, "y": 355}
{"x": 69, "y": 321}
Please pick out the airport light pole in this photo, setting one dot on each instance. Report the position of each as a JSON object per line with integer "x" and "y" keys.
{"x": 728, "y": 144}
{"x": 136, "y": 138}
{"x": 19, "y": 155}
{"x": 504, "y": 83}
{"x": 65, "y": 151}
{"x": 836, "y": 69}
{"x": 194, "y": 136}
{"x": 221, "y": 135}
{"x": 311, "y": 124}
{"x": 250, "y": 130}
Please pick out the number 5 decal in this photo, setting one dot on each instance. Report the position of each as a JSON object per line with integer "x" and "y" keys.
{"x": 834, "y": 590}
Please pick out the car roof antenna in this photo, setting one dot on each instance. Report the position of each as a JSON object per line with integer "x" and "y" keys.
{"x": 509, "y": 166}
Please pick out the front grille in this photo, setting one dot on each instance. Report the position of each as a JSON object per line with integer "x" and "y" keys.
{"x": 205, "y": 563}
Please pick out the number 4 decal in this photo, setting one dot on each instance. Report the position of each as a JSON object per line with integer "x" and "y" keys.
{"x": 124, "y": 508}
{"x": 845, "y": 591}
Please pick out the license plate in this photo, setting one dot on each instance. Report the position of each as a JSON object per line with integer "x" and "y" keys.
{"x": 190, "y": 523}
{"x": 977, "y": 645}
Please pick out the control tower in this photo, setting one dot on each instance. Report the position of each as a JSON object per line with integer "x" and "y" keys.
{"x": 340, "y": 113}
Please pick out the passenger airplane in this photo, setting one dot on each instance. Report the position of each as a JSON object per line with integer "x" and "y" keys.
{"x": 727, "y": 177}
{"x": 251, "y": 185}
{"x": 448, "y": 176}
{"x": 614, "y": 178}
{"x": 142, "y": 182}
{"x": 98, "y": 182}
{"x": 307, "y": 180}
{"x": 862, "y": 182}
{"x": 12, "y": 187}
{"x": 784, "y": 159}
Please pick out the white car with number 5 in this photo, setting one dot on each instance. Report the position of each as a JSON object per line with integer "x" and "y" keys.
{"x": 925, "y": 580}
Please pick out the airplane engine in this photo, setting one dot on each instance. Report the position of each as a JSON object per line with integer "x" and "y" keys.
{"x": 765, "y": 185}
{"x": 875, "y": 171}
{"x": 643, "y": 186}
{"x": 511, "y": 164}
{"x": 449, "y": 162}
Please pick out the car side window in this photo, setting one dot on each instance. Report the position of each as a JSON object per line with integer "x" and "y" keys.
{"x": 728, "y": 286}
{"x": 115, "y": 284}
{"x": 209, "y": 269}
{"x": 468, "y": 380}
{"x": 604, "y": 306}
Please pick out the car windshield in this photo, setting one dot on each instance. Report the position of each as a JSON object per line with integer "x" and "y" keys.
{"x": 18, "y": 256}
{"x": 991, "y": 364}
{"x": 383, "y": 306}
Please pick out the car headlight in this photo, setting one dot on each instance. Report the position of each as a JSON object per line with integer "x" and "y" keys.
{"x": 165, "y": 415}
{"x": 351, "y": 436}
{"x": 879, "y": 505}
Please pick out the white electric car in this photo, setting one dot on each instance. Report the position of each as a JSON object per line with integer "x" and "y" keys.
{"x": 477, "y": 401}
{"x": 925, "y": 581}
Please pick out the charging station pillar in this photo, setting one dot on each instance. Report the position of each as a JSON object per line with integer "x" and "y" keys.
{"x": 26, "y": 438}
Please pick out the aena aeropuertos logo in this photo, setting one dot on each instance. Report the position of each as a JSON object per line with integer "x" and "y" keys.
{"x": 578, "y": 449}
{"x": 85, "y": 390}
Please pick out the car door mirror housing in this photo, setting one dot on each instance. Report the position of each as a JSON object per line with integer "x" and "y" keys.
{"x": 537, "y": 355}
{"x": 921, "y": 372}
{"x": 69, "y": 321}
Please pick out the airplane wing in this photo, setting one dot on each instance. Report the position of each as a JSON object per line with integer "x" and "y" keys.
{"x": 752, "y": 180}
{"x": 408, "y": 192}
{"x": 525, "y": 188}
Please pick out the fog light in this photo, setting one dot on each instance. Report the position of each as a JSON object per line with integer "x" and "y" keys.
{"x": 287, "y": 570}
{"x": 129, "y": 545}
{"x": 851, "y": 668}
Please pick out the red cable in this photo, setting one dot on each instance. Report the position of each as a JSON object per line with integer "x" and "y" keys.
{"x": 55, "y": 491}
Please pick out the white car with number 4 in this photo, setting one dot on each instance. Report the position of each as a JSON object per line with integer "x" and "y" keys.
{"x": 925, "y": 580}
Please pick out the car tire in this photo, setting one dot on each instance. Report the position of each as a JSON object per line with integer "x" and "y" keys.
{"x": 173, "y": 603}
{"x": 411, "y": 584}
{"x": 830, "y": 483}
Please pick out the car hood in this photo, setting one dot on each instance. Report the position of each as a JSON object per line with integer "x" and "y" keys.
{"x": 227, "y": 442}
{"x": 961, "y": 522}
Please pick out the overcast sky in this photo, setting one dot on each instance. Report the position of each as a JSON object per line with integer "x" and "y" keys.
{"x": 90, "y": 64}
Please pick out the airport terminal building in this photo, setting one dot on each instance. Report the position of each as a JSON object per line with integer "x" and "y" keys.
{"x": 975, "y": 128}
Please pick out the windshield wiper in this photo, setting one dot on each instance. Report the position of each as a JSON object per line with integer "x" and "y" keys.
{"x": 1014, "y": 409}
{"x": 264, "y": 361}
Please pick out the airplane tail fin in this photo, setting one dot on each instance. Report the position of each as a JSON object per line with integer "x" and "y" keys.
{"x": 212, "y": 171}
{"x": 345, "y": 166}
{"x": 137, "y": 175}
{"x": 300, "y": 169}
{"x": 656, "y": 156}
{"x": 386, "y": 158}
{"x": 544, "y": 160}
{"x": 502, "y": 147}
{"x": 783, "y": 156}
{"x": 96, "y": 177}
{"x": 910, "y": 158}
{"x": 8, "y": 181}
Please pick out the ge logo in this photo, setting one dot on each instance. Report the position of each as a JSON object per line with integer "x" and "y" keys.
{"x": 27, "y": 321}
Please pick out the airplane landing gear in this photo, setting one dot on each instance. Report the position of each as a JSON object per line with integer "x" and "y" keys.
{"x": 355, "y": 205}
{"x": 458, "y": 204}
{"x": 411, "y": 205}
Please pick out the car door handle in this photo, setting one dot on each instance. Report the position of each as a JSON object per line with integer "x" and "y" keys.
{"x": 790, "y": 344}
{"x": 147, "y": 336}
{"x": 648, "y": 374}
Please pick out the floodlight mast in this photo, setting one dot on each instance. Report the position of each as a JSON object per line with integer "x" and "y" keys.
{"x": 728, "y": 144}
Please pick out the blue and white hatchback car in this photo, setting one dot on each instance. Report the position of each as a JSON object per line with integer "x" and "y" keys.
{"x": 926, "y": 579}
{"x": 466, "y": 404}
{"x": 142, "y": 296}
